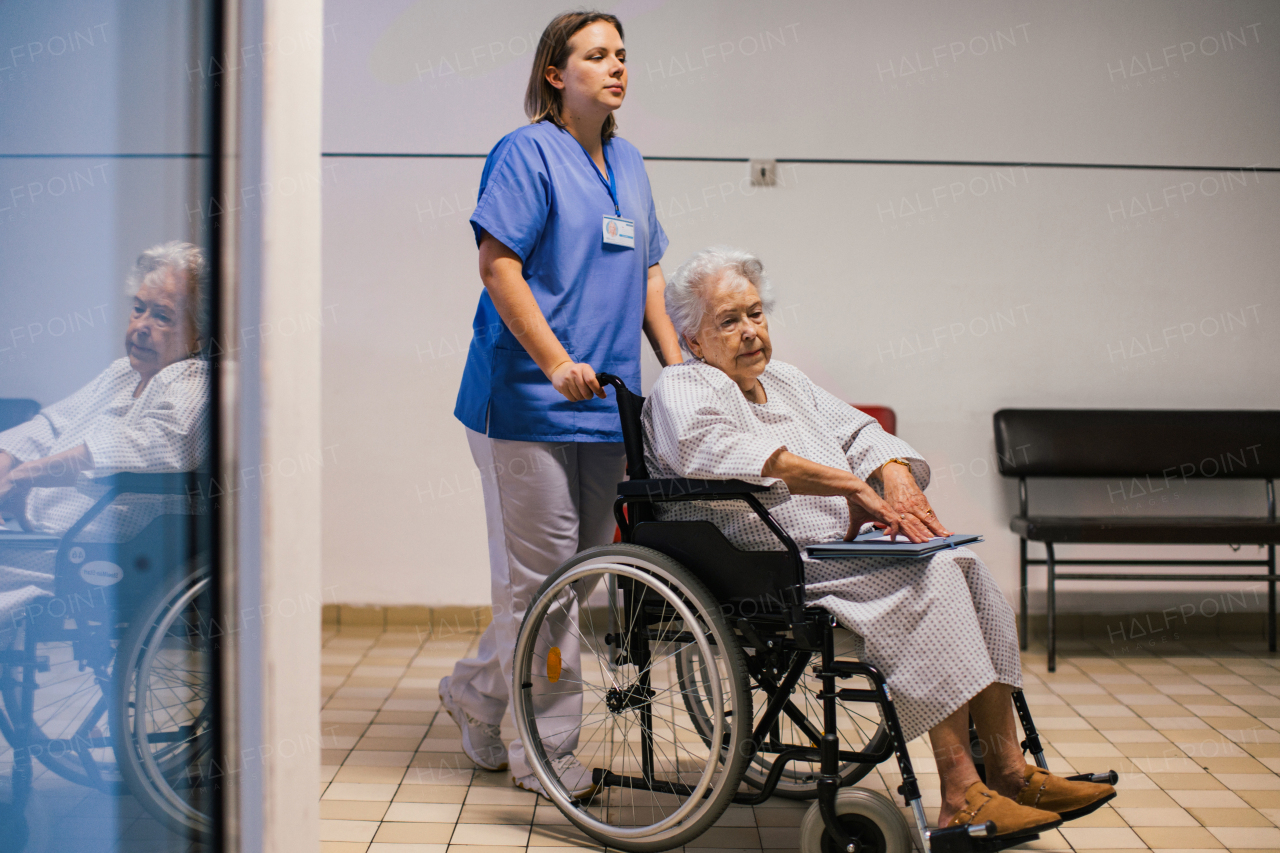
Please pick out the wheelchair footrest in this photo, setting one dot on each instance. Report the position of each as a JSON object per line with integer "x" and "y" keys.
{"x": 1109, "y": 778}
{"x": 973, "y": 839}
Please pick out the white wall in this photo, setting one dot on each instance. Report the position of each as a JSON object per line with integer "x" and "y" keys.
{"x": 1015, "y": 287}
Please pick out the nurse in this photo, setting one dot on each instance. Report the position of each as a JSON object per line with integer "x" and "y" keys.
{"x": 569, "y": 249}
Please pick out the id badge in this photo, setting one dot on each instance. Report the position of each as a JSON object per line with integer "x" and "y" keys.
{"x": 619, "y": 231}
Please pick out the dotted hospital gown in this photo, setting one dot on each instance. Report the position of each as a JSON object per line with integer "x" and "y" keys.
{"x": 165, "y": 429}
{"x": 938, "y": 627}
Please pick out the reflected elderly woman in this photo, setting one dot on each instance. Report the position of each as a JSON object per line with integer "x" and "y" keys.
{"x": 146, "y": 412}
{"x": 938, "y": 627}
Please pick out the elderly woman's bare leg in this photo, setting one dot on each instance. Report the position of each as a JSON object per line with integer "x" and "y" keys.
{"x": 992, "y": 712}
{"x": 950, "y": 742}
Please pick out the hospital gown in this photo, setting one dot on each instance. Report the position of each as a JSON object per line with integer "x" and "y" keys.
{"x": 938, "y": 627}
{"x": 165, "y": 429}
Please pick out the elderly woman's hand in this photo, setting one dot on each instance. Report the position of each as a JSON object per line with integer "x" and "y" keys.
{"x": 13, "y": 499}
{"x": 908, "y": 502}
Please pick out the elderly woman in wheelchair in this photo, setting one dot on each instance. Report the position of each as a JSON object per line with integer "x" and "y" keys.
{"x": 98, "y": 492}
{"x": 744, "y": 448}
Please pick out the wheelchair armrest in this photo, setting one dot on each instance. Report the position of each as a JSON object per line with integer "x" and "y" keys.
{"x": 681, "y": 488}
{"x": 176, "y": 483}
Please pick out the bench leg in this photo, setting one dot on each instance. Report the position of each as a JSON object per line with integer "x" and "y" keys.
{"x": 1022, "y": 559}
{"x": 1052, "y": 603}
{"x": 1271, "y": 598}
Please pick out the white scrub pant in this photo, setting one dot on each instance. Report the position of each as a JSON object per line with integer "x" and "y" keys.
{"x": 543, "y": 503}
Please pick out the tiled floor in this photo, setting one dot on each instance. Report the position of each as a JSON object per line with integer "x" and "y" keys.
{"x": 1195, "y": 734}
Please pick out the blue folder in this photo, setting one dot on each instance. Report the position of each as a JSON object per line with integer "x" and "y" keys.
{"x": 902, "y": 547}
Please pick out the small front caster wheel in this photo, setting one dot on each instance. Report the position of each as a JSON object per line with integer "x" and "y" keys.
{"x": 869, "y": 818}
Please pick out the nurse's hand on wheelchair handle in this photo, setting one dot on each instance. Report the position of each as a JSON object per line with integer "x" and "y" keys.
{"x": 577, "y": 382}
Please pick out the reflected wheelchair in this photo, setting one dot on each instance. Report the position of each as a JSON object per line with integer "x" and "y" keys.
{"x": 705, "y": 680}
{"x": 109, "y": 682}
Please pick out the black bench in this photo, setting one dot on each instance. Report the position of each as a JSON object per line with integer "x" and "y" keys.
{"x": 1158, "y": 448}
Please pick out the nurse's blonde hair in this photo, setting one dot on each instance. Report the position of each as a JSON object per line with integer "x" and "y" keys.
{"x": 687, "y": 287}
{"x": 542, "y": 101}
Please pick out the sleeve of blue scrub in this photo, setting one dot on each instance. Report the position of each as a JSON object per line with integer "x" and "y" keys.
{"x": 515, "y": 195}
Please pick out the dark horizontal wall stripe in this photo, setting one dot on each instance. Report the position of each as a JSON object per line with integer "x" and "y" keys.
{"x": 102, "y": 156}
{"x": 864, "y": 162}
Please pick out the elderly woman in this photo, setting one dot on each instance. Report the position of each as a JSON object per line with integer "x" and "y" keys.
{"x": 938, "y": 627}
{"x": 146, "y": 412}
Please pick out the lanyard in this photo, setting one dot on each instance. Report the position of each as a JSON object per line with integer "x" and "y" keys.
{"x": 609, "y": 184}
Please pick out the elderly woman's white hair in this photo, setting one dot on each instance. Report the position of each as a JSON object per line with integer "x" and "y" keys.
{"x": 687, "y": 286}
{"x": 186, "y": 259}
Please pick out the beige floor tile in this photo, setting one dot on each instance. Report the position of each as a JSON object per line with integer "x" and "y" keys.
{"x": 371, "y": 758}
{"x": 383, "y": 847}
{"x": 414, "y": 833}
{"x": 1150, "y": 799}
{"x": 1249, "y": 781}
{"x": 1121, "y": 736}
{"x": 734, "y": 838}
{"x": 1261, "y": 799}
{"x": 1185, "y": 837}
{"x": 358, "y": 810}
{"x": 357, "y": 773}
{"x": 359, "y": 791}
{"x": 343, "y": 846}
{"x": 1087, "y": 750}
{"x": 1234, "y": 765}
{"x": 499, "y": 835}
{"x": 1251, "y": 837}
{"x": 1220, "y": 799}
{"x": 1187, "y": 781}
{"x": 507, "y": 795}
{"x": 1157, "y": 817}
{"x": 1102, "y": 817}
{"x": 1095, "y": 838}
{"x": 1162, "y": 749}
{"x": 1230, "y": 817}
{"x": 483, "y": 848}
{"x": 545, "y": 837}
{"x": 348, "y": 830}
{"x": 431, "y": 794}
{"x": 495, "y": 813}
{"x": 423, "y": 812}
{"x": 389, "y": 744}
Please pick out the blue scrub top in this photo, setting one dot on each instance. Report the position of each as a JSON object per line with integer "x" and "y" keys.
{"x": 542, "y": 197}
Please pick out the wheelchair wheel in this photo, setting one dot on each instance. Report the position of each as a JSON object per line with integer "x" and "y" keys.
{"x": 859, "y": 725}
{"x": 871, "y": 820}
{"x": 70, "y": 727}
{"x": 163, "y": 710}
{"x": 655, "y": 783}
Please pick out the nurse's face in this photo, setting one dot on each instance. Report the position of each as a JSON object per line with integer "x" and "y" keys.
{"x": 594, "y": 79}
{"x": 734, "y": 335}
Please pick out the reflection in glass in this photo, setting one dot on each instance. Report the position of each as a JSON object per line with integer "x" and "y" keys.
{"x": 107, "y": 635}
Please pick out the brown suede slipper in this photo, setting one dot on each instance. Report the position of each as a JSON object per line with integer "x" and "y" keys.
{"x": 983, "y": 804}
{"x": 1068, "y": 799}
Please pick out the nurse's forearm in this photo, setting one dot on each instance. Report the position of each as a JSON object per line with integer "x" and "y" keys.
{"x": 657, "y": 325}
{"x": 502, "y": 274}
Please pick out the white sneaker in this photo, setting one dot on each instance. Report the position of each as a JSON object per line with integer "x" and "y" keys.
{"x": 482, "y": 742}
{"x": 575, "y": 778}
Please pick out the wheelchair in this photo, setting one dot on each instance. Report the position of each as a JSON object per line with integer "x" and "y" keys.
{"x": 109, "y": 682}
{"x": 705, "y": 680}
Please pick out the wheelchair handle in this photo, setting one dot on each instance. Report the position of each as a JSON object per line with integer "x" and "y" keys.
{"x": 629, "y": 407}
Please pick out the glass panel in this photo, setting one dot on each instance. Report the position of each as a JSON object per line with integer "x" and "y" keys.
{"x": 107, "y": 634}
